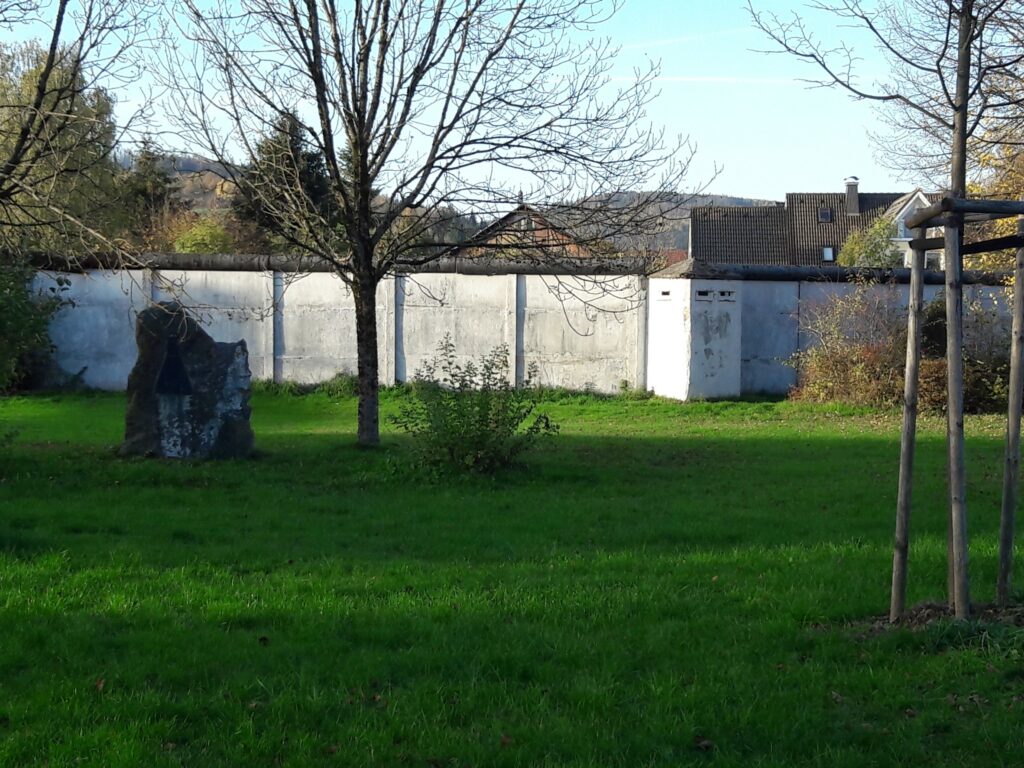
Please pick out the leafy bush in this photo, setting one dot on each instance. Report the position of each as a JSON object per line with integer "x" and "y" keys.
{"x": 469, "y": 416}
{"x": 872, "y": 246}
{"x": 859, "y": 352}
{"x": 24, "y": 320}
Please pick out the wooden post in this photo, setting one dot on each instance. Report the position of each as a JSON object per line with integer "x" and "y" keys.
{"x": 955, "y": 411}
{"x": 901, "y": 540}
{"x": 1011, "y": 467}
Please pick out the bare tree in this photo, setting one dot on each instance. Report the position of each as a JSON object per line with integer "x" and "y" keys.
{"x": 57, "y": 129}
{"x": 422, "y": 112}
{"x": 916, "y": 97}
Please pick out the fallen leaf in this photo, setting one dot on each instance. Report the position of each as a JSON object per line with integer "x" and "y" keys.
{"x": 101, "y": 683}
{"x": 837, "y": 697}
{"x": 703, "y": 745}
{"x": 506, "y": 740}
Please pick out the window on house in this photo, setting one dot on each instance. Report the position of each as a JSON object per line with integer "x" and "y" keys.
{"x": 828, "y": 254}
{"x": 824, "y": 215}
{"x": 933, "y": 260}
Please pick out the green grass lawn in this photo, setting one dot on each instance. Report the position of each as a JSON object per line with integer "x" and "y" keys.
{"x": 660, "y": 585}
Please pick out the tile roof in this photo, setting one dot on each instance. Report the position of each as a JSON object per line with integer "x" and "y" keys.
{"x": 808, "y": 235}
{"x": 738, "y": 235}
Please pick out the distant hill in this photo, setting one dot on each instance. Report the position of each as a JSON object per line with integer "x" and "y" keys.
{"x": 676, "y": 234}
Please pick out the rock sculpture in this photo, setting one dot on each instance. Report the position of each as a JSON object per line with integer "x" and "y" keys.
{"x": 188, "y": 395}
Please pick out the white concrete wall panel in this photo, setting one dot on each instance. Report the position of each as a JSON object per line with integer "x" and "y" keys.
{"x": 573, "y": 344}
{"x": 318, "y": 329}
{"x": 715, "y": 339}
{"x": 769, "y": 336}
{"x": 668, "y": 339}
{"x": 96, "y": 331}
{"x": 473, "y": 309}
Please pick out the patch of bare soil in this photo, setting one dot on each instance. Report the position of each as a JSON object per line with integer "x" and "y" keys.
{"x": 925, "y": 615}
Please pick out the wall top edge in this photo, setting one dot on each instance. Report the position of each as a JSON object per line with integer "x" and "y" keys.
{"x": 224, "y": 262}
{"x": 696, "y": 270}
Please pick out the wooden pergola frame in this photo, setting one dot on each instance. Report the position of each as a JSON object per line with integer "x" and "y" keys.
{"x": 953, "y": 213}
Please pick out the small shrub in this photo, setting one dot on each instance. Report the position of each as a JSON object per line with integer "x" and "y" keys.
{"x": 468, "y": 416}
{"x": 858, "y": 348}
{"x": 24, "y": 321}
{"x": 207, "y": 235}
{"x": 859, "y": 355}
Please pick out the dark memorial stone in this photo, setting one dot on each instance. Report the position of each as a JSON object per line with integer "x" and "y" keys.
{"x": 188, "y": 395}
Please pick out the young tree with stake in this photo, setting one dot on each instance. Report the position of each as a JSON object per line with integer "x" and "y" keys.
{"x": 955, "y": 69}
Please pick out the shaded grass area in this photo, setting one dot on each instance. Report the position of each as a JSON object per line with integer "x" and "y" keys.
{"x": 662, "y": 584}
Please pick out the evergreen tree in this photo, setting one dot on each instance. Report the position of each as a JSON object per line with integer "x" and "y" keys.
{"x": 285, "y": 173}
{"x": 149, "y": 198}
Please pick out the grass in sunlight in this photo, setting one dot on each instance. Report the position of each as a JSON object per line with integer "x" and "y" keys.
{"x": 662, "y": 584}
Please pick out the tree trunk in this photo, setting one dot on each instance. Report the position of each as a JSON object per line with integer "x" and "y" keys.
{"x": 364, "y": 292}
{"x": 954, "y": 320}
{"x": 901, "y": 541}
{"x": 1011, "y": 469}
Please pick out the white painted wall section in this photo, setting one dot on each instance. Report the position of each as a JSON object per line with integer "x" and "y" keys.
{"x": 668, "y": 337}
{"x": 95, "y": 334}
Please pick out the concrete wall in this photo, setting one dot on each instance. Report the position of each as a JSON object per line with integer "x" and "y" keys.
{"x": 582, "y": 331}
{"x": 579, "y": 332}
{"x": 573, "y": 331}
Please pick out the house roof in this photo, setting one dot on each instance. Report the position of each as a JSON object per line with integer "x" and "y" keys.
{"x": 795, "y": 233}
{"x": 897, "y": 207}
{"x": 738, "y": 235}
{"x": 808, "y": 235}
{"x": 526, "y": 231}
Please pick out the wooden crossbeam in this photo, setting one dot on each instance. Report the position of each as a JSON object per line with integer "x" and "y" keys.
{"x": 982, "y": 246}
{"x": 991, "y": 209}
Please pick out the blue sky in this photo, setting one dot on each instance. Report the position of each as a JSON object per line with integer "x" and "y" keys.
{"x": 747, "y": 111}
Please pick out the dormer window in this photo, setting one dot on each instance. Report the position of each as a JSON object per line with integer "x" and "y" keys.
{"x": 824, "y": 215}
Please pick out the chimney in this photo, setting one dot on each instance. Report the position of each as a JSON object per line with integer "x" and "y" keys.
{"x": 852, "y": 196}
